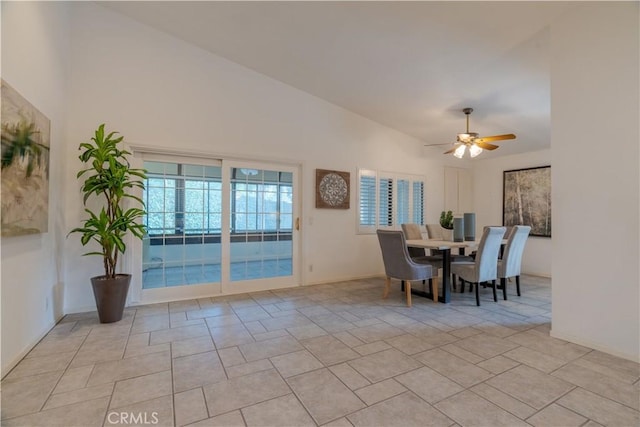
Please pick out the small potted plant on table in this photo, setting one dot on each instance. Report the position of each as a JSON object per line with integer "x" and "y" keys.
{"x": 446, "y": 222}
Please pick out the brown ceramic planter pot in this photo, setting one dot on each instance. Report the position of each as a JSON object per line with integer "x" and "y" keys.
{"x": 111, "y": 296}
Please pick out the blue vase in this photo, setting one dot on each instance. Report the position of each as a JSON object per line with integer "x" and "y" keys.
{"x": 458, "y": 229}
{"x": 470, "y": 227}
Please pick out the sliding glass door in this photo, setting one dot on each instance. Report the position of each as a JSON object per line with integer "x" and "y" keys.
{"x": 218, "y": 227}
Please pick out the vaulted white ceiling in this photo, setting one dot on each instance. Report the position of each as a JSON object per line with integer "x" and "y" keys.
{"x": 411, "y": 66}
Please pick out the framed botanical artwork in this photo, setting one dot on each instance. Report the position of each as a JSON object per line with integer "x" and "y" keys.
{"x": 332, "y": 189}
{"x": 526, "y": 199}
{"x": 25, "y": 166}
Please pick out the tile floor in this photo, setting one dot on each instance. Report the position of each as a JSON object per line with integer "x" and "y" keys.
{"x": 334, "y": 354}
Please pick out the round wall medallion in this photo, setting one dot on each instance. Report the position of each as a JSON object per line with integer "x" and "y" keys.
{"x": 333, "y": 189}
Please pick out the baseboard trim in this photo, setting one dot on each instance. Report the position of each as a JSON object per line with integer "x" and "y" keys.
{"x": 594, "y": 345}
{"x": 344, "y": 279}
{"x": 6, "y": 369}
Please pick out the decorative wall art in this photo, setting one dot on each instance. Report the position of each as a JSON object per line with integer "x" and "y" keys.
{"x": 526, "y": 199}
{"x": 332, "y": 189}
{"x": 25, "y": 166}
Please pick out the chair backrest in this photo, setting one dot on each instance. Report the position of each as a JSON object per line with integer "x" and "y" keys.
{"x": 434, "y": 231}
{"x": 487, "y": 255}
{"x": 397, "y": 263}
{"x": 411, "y": 231}
{"x": 512, "y": 256}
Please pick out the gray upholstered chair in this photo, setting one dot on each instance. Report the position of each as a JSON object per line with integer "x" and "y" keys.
{"x": 413, "y": 232}
{"x": 485, "y": 266}
{"x": 434, "y": 231}
{"x": 399, "y": 265}
{"x": 511, "y": 262}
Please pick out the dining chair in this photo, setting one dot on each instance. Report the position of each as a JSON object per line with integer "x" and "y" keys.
{"x": 485, "y": 266}
{"x": 399, "y": 265}
{"x": 511, "y": 262}
{"x": 412, "y": 231}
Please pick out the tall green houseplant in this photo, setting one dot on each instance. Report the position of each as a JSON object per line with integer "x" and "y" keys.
{"x": 109, "y": 177}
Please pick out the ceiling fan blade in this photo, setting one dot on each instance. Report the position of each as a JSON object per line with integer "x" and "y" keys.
{"x": 485, "y": 145}
{"x": 453, "y": 149}
{"x": 435, "y": 145}
{"x": 495, "y": 138}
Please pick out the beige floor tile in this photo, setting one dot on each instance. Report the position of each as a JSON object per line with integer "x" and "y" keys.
{"x": 324, "y": 395}
{"x": 179, "y": 319}
{"x": 281, "y": 411}
{"x": 251, "y": 314}
{"x": 80, "y": 395}
{"x": 347, "y": 339}
{"x": 462, "y": 353}
{"x": 183, "y": 306}
{"x": 51, "y": 345}
{"x": 152, "y": 309}
{"x": 380, "y": 391}
{"x": 556, "y": 415}
{"x": 376, "y": 332}
{"x": 192, "y": 346}
{"x": 25, "y": 395}
{"x": 503, "y": 400}
{"x": 269, "y": 348}
{"x": 244, "y": 391}
{"x": 255, "y": 328}
{"x": 469, "y": 409}
{"x": 340, "y": 422}
{"x": 409, "y": 344}
{"x": 349, "y": 376}
{"x": 230, "y": 336}
{"x": 283, "y": 322}
{"x": 85, "y": 414}
{"x": 138, "y": 345}
{"x": 498, "y": 364}
{"x": 599, "y": 409}
{"x": 178, "y": 334}
{"x": 615, "y": 367}
{"x": 140, "y": 389}
{"x": 197, "y": 370}
{"x": 99, "y": 351}
{"x": 308, "y": 331}
{"x": 535, "y": 359}
{"x": 41, "y": 365}
{"x": 486, "y": 345}
{"x": 531, "y": 386}
{"x": 551, "y": 346}
{"x": 371, "y": 348}
{"x": 295, "y": 363}
{"x": 437, "y": 339}
{"x": 600, "y": 384}
{"x": 217, "y": 309}
{"x": 428, "y": 384}
{"x": 150, "y": 323}
{"x": 109, "y": 372}
{"x": 231, "y": 419}
{"x": 73, "y": 379}
{"x": 459, "y": 370}
{"x": 329, "y": 350}
{"x": 190, "y": 406}
{"x": 385, "y": 364}
{"x": 153, "y": 412}
{"x": 231, "y": 356}
{"x": 223, "y": 320}
{"x": 249, "y": 368}
{"x": 278, "y": 333}
{"x": 404, "y": 410}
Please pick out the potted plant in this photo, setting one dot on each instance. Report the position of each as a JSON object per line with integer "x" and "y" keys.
{"x": 446, "y": 222}
{"x": 110, "y": 178}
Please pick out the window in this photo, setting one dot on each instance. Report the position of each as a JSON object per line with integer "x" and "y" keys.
{"x": 388, "y": 199}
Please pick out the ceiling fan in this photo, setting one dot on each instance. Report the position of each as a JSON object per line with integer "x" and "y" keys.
{"x": 473, "y": 141}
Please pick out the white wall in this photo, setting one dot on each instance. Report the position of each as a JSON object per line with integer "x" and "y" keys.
{"x": 35, "y": 51}
{"x": 487, "y": 174}
{"x": 157, "y": 90}
{"x": 595, "y": 156}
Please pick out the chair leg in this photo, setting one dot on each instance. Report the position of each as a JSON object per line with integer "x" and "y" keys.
{"x": 407, "y": 289}
{"x": 471, "y": 286}
{"x": 402, "y": 285}
{"x": 518, "y": 285}
{"x": 495, "y": 296}
{"x": 387, "y": 285}
{"x": 477, "y": 293}
{"x": 503, "y": 283}
{"x": 453, "y": 283}
{"x": 434, "y": 290}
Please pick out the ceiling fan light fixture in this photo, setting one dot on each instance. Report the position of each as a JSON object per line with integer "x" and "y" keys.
{"x": 460, "y": 151}
{"x": 467, "y": 137}
{"x": 474, "y": 150}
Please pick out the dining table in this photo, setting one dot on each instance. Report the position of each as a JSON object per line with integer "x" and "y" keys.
{"x": 445, "y": 247}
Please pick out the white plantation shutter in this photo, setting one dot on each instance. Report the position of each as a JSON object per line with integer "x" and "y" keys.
{"x": 418, "y": 202}
{"x": 367, "y": 201}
